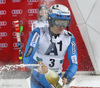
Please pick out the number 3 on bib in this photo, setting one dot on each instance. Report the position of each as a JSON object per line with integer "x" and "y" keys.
{"x": 52, "y": 62}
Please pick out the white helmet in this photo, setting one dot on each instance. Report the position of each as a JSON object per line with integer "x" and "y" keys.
{"x": 59, "y": 15}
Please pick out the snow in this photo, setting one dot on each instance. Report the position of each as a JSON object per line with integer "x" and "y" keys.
{"x": 86, "y": 81}
{"x": 13, "y": 83}
{"x": 79, "y": 81}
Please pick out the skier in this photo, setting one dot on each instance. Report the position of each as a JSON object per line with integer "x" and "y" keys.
{"x": 42, "y": 20}
{"x": 48, "y": 47}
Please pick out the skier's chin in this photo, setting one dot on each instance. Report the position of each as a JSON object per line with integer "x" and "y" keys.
{"x": 59, "y": 31}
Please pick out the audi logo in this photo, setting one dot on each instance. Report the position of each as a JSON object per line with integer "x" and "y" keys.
{"x": 2, "y": 1}
{"x": 14, "y": 33}
{"x": 32, "y": 0}
{"x": 3, "y": 12}
{"x": 16, "y": 0}
{"x": 32, "y": 10}
{"x": 49, "y": 0}
{"x": 3, "y": 23}
{"x": 3, "y": 34}
{"x": 31, "y": 21}
{"x": 17, "y": 11}
{"x": 16, "y": 44}
{"x": 20, "y": 22}
{"x": 3, "y": 45}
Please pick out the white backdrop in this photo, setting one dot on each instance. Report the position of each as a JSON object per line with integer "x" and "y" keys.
{"x": 87, "y": 15}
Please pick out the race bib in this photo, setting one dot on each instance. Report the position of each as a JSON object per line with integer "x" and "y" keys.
{"x": 53, "y": 63}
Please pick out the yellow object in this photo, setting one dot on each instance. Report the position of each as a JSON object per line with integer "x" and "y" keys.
{"x": 20, "y": 57}
{"x": 53, "y": 78}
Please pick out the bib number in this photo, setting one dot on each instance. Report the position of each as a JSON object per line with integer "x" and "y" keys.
{"x": 52, "y": 62}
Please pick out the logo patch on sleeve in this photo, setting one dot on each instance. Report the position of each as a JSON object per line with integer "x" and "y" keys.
{"x": 73, "y": 47}
{"x": 34, "y": 40}
{"x": 29, "y": 52}
{"x": 74, "y": 59}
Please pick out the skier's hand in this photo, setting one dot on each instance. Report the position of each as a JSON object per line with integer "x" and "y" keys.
{"x": 64, "y": 81}
{"x": 42, "y": 68}
{"x": 53, "y": 87}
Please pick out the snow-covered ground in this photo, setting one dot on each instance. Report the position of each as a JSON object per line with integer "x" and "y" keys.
{"x": 79, "y": 81}
{"x": 86, "y": 81}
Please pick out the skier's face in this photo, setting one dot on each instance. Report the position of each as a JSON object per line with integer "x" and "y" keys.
{"x": 57, "y": 30}
{"x": 59, "y": 25}
{"x": 43, "y": 13}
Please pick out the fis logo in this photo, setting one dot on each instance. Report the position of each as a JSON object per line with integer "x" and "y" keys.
{"x": 32, "y": 10}
{"x": 3, "y": 12}
{"x": 16, "y": 1}
{"x": 3, "y": 23}
{"x": 2, "y": 1}
{"x": 32, "y": 0}
{"x": 3, "y": 45}
{"x": 17, "y": 11}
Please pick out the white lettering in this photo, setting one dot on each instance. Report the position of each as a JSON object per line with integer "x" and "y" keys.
{"x": 32, "y": 10}
{"x": 73, "y": 47}
{"x": 49, "y": 0}
{"x": 18, "y": 11}
{"x": 3, "y": 34}
{"x": 31, "y": 21}
{"x": 32, "y": 0}
{"x": 3, "y": 12}
{"x": 3, "y": 45}
{"x": 2, "y": 1}
{"x": 3, "y": 23}
{"x": 16, "y": 0}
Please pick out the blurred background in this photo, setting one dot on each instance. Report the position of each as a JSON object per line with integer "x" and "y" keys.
{"x": 85, "y": 25}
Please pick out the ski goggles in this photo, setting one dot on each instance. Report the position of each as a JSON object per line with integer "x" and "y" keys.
{"x": 61, "y": 22}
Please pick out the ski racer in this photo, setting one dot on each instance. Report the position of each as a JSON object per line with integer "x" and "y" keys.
{"x": 42, "y": 17}
{"x": 48, "y": 46}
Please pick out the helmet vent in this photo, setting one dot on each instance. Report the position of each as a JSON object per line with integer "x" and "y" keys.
{"x": 68, "y": 16}
{"x": 59, "y": 15}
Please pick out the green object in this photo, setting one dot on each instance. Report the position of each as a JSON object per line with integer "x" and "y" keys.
{"x": 39, "y": 59}
{"x": 21, "y": 28}
{"x": 61, "y": 61}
